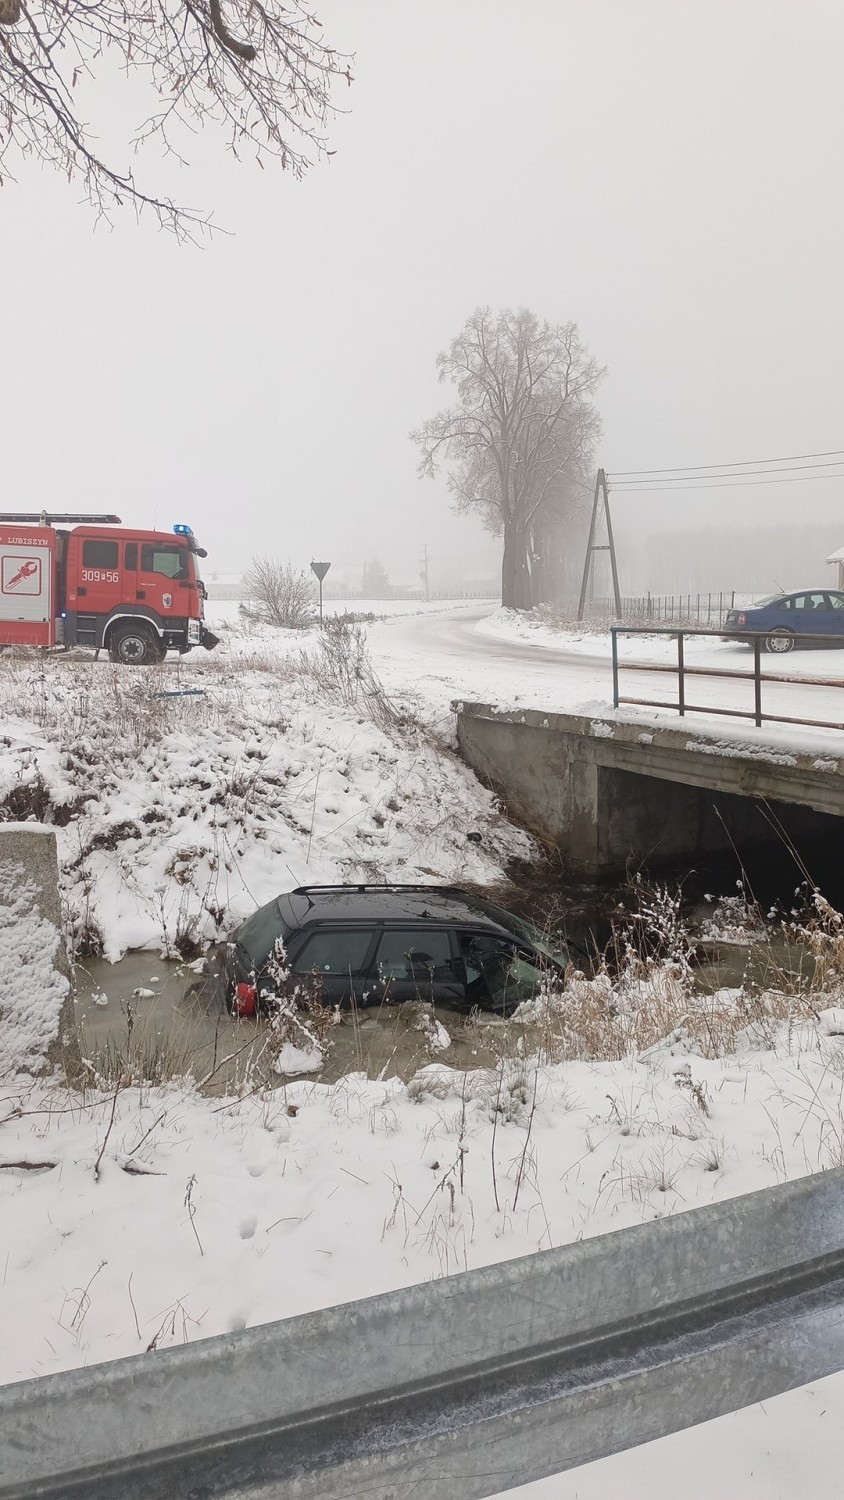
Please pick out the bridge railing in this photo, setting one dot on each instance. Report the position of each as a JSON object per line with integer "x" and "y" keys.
{"x": 683, "y": 670}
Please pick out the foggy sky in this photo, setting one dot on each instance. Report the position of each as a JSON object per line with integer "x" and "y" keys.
{"x": 667, "y": 175}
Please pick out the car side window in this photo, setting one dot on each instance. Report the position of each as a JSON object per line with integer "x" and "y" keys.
{"x": 836, "y": 601}
{"x": 414, "y": 954}
{"x": 328, "y": 952}
{"x": 791, "y": 603}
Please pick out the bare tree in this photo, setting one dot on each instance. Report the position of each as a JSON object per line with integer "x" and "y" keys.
{"x": 520, "y": 436}
{"x": 259, "y": 68}
{"x": 277, "y": 594}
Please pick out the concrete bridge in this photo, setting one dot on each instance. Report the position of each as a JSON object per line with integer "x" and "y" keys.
{"x": 605, "y": 790}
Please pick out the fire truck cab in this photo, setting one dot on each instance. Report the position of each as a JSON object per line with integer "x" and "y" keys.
{"x": 136, "y": 593}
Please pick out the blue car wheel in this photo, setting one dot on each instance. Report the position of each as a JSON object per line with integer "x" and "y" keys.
{"x": 779, "y": 641}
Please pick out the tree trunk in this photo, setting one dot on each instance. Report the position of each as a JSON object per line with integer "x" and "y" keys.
{"x": 516, "y": 583}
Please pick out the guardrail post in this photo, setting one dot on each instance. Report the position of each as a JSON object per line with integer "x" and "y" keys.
{"x": 681, "y": 675}
{"x": 757, "y": 680}
{"x": 614, "y": 634}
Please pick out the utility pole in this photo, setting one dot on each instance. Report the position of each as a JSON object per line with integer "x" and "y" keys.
{"x": 601, "y": 493}
{"x": 424, "y": 574}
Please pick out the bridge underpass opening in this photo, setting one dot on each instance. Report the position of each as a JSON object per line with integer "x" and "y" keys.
{"x": 664, "y": 824}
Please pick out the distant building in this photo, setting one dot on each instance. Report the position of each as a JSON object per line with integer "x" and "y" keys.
{"x": 224, "y": 586}
{"x": 837, "y": 559}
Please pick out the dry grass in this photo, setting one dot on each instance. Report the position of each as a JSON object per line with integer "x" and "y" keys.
{"x": 340, "y": 668}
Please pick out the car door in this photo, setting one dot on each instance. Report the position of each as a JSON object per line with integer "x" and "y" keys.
{"x": 336, "y": 960}
{"x": 836, "y": 614}
{"x": 417, "y": 963}
{"x": 500, "y": 974}
{"x": 811, "y": 614}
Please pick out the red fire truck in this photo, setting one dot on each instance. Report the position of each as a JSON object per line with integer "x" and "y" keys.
{"x": 137, "y": 593}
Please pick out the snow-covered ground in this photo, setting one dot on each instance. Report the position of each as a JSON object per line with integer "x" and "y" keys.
{"x": 185, "y": 796}
{"x": 186, "y": 1216}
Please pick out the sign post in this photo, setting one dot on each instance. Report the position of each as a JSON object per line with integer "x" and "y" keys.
{"x": 320, "y": 568}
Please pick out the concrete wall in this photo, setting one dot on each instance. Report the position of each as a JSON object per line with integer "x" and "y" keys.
{"x": 36, "y": 997}
{"x": 608, "y": 792}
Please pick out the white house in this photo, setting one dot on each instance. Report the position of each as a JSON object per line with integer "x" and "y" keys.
{"x": 838, "y": 559}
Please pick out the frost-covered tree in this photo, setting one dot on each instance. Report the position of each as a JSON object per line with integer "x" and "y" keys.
{"x": 278, "y": 594}
{"x": 258, "y": 68}
{"x": 376, "y": 584}
{"x": 520, "y": 437}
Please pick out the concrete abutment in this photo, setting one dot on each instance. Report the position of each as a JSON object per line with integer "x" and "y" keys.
{"x": 610, "y": 792}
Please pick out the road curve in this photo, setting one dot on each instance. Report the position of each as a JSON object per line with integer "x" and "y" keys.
{"x": 445, "y": 656}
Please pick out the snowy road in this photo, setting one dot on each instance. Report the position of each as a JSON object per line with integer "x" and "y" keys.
{"x": 446, "y": 656}
{"x": 467, "y": 654}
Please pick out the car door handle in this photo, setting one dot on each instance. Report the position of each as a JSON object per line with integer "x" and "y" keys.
{"x": 81, "y": 592}
{"x": 140, "y": 594}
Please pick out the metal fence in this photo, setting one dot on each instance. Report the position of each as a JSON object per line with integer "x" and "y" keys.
{"x": 682, "y": 670}
{"x": 466, "y": 1386}
{"x": 697, "y": 609}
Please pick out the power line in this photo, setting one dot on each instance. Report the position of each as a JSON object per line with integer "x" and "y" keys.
{"x": 742, "y": 463}
{"x": 727, "y": 473}
{"x": 730, "y": 484}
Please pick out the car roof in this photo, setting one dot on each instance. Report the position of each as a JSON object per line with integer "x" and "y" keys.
{"x": 385, "y": 903}
{"x": 815, "y": 588}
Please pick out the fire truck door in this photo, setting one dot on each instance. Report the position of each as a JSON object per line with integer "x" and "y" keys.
{"x": 163, "y": 571}
{"x": 99, "y": 585}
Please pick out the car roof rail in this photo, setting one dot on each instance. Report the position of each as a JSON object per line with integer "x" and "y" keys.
{"x": 311, "y": 890}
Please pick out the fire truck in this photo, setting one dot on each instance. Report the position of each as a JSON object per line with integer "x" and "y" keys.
{"x": 68, "y": 580}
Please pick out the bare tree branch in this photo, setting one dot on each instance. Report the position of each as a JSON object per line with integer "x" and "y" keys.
{"x": 258, "y": 68}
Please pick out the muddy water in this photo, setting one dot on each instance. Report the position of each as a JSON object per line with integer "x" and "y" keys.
{"x": 166, "y": 1018}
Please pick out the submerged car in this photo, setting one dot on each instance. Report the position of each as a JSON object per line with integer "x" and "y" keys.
{"x": 783, "y": 617}
{"x": 365, "y": 945}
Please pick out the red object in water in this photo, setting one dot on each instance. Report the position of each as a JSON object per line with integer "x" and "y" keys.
{"x": 245, "y": 1000}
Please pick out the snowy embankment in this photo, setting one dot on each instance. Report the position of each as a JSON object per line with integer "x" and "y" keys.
{"x": 144, "y": 1218}
{"x": 185, "y": 796}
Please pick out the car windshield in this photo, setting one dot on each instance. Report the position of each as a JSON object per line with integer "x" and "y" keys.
{"x": 543, "y": 942}
{"x": 259, "y": 932}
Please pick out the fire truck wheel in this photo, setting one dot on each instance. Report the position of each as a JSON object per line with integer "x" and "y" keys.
{"x": 135, "y": 646}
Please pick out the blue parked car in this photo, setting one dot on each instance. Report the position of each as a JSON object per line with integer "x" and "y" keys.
{"x": 785, "y": 616}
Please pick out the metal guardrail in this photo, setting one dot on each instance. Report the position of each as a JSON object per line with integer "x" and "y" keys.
{"x": 466, "y": 1386}
{"x": 754, "y": 638}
